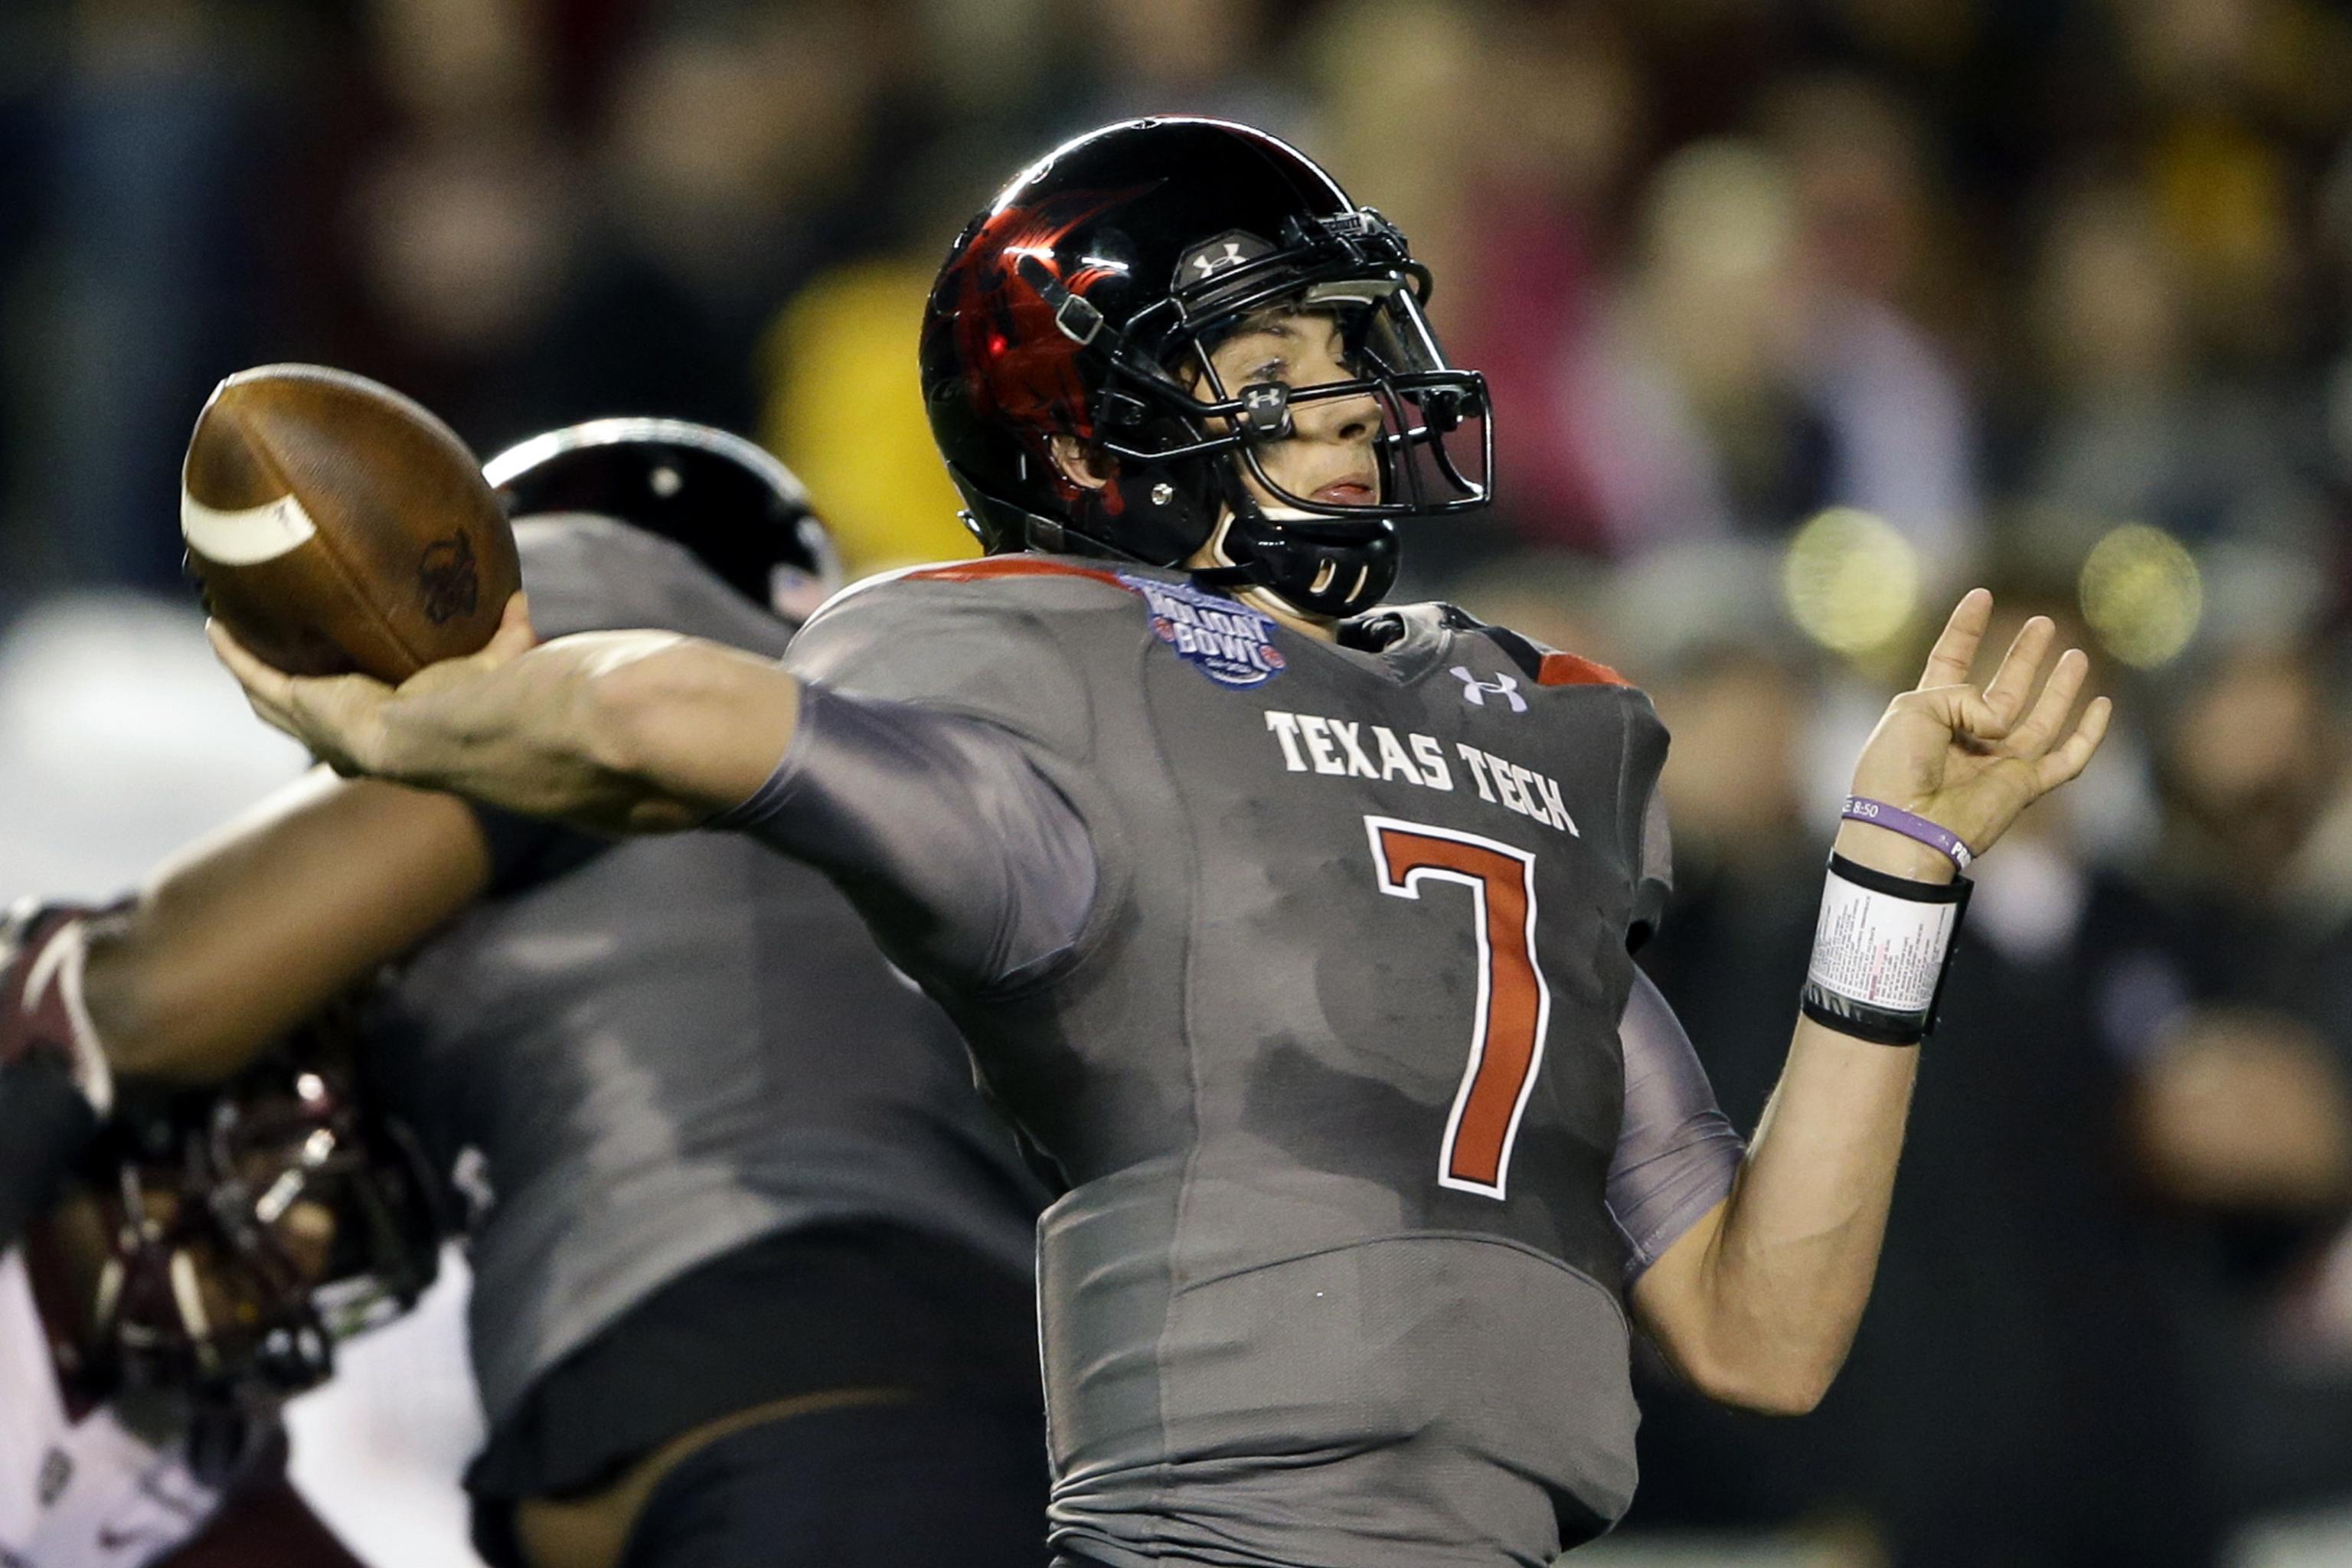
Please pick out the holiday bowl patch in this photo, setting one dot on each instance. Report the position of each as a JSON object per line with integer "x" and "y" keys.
{"x": 1230, "y": 643}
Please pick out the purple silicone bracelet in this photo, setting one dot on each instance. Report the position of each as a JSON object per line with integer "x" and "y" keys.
{"x": 1895, "y": 819}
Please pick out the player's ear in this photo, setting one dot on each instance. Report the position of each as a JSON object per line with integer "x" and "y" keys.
{"x": 1080, "y": 464}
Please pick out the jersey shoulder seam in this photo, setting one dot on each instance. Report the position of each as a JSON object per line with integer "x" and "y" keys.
{"x": 991, "y": 568}
{"x": 985, "y": 570}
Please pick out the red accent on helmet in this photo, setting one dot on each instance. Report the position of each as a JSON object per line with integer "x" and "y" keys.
{"x": 1024, "y": 368}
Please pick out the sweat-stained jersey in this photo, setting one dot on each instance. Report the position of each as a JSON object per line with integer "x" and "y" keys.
{"x": 1307, "y": 965}
{"x": 663, "y": 1049}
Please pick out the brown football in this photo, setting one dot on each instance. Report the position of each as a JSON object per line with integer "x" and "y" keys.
{"x": 336, "y": 526}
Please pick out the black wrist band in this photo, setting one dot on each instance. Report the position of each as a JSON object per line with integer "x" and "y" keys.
{"x": 1955, "y": 891}
{"x": 1864, "y": 1022}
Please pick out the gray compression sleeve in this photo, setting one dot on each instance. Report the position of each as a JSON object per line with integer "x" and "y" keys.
{"x": 963, "y": 857}
{"x": 1676, "y": 1153}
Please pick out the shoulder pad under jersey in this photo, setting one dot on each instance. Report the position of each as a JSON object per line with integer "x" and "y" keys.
{"x": 1023, "y": 582}
{"x": 1544, "y": 665}
{"x": 1009, "y": 638}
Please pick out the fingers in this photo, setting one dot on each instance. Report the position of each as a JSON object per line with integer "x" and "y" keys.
{"x": 2012, "y": 683}
{"x": 337, "y": 718}
{"x": 1960, "y": 708}
{"x": 515, "y": 635}
{"x": 2070, "y": 759}
{"x": 2034, "y": 736}
{"x": 268, "y": 690}
{"x": 1955, "y": 647}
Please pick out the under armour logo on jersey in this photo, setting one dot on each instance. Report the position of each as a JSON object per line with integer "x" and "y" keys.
{"x": 1475, "y": 691}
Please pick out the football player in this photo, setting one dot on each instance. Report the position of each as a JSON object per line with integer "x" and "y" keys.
{"x": 196, "y": 1274}
{"x": 752, "y": 1263}
{"x": 1293, "y": 930}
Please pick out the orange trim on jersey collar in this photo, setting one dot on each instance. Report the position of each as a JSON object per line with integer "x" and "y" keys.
{"x": 989, "y": 566}
{"x": 1567, "y": 669}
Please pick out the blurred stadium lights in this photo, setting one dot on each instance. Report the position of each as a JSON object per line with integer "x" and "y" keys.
{"x": 2142, "y": 594}
{"x": 1850, "y": 581}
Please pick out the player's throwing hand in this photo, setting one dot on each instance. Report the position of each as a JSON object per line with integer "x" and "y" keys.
{"x": 342, "y": 718}
{"x": 641, "y": 731}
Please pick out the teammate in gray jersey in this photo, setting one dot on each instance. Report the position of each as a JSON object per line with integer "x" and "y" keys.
{"x": 752, "y": 1263}
{"x": 1292, "y": 930}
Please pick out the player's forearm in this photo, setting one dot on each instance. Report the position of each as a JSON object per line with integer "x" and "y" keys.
{"x": 618, "y": 732}
{"x": 252, "y": 930}
{"x": 1790, "y": 1264}
{"x": 1786, "y": 1268}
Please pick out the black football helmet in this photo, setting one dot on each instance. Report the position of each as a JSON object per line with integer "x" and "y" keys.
{"x": 741, "y": 511}
{"x": 1085, "y": 304}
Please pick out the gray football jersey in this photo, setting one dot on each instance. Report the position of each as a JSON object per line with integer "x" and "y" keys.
{"x": 664, "y": 1048}
{"x": 1306, "y": 964}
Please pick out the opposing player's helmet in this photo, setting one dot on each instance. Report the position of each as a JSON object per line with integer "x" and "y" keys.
{"x": 237, "y": 1237}
{"x": 1084, "y": 306}
{"x": 743, "y": 513}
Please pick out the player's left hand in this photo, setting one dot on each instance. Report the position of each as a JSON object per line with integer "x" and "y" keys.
{"x": 1971, "y": 759}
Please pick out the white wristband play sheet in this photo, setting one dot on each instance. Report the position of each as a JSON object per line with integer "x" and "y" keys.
{"x": 1885, "y": 951}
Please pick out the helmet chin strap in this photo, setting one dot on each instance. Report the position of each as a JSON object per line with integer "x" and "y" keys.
{"x": 1244, "y": 582}
{"x": 1338, "y": 580}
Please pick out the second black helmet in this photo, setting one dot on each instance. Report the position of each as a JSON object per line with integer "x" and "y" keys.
{"x": 740, "y": 511}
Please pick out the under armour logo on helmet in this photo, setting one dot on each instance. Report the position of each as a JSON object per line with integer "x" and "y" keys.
{"x": 1475, "y": 690}
{"x": 1218, "y": 253}
{"x": 1230, "y": 257}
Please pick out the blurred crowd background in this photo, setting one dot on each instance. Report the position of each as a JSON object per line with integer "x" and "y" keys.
{"x": 1801, "y": 317}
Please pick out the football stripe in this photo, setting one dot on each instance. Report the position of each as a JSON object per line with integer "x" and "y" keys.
{"x": 248, "y": 537}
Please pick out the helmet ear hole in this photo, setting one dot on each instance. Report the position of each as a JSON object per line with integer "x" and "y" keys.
{"x": 1089, "y": 467}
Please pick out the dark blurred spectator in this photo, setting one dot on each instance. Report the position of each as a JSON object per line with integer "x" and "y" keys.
{"x": 2029, "y": 1338}
{"x": 141, "y": 168}
{"x": 1185, "y": 57}
{"x": 2220, "y": 972}
{"x": 2134, "y": 431}
{"x": 1869, "y": 222}
{"x": 1739, "y": 384}
{"x": 514, "y": 278}
{"x": 732, "y": 172}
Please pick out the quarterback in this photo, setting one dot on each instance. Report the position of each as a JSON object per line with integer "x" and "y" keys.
{"x": 1292, "y": 930}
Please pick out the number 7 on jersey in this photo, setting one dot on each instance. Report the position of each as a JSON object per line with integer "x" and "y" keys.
{"x": 1514, "y": 1007}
